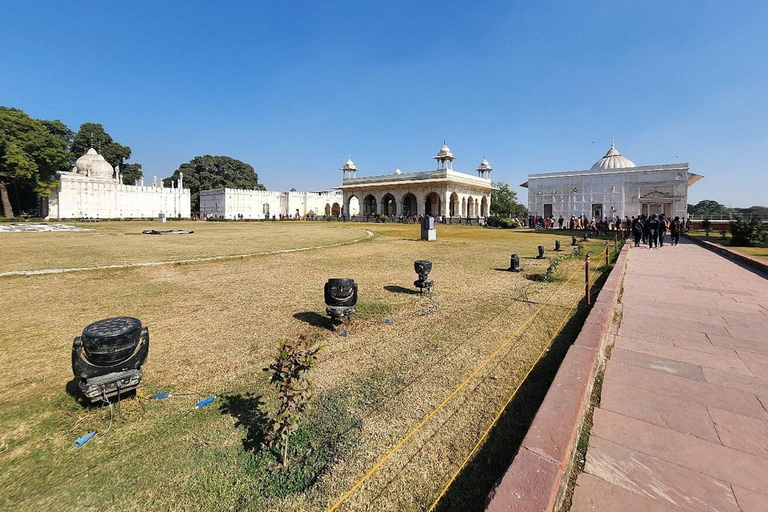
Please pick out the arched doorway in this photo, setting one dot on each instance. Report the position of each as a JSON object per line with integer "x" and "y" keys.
{"x": 327, "y": 209}
{"x": 369, "y": 205}
{"x": 484, "y": 207}
{"x": 353, "y": 206}
{"x": 388, "y": 205}
{"x": 410, "y": 206}
{"x": 336, "y": 209}
{"x": 470, "y": 207}
{"x": 453, "y": 207}
{"x": 432, "y": 204}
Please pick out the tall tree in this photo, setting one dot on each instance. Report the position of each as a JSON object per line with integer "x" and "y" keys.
{"x": 131, "y": 173}
{"x": 208, "y": 172}
{"x": 60, "y": 130}
{"x": 92, "y": 135}
{"x": 707, "y": 207}
{"x": 30, "y": 155}
{"x": 504, "y": 202}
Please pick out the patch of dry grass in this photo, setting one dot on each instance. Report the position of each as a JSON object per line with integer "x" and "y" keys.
{"x": 215, "y": 325}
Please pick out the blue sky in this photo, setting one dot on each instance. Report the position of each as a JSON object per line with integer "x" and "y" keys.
{"x": 294, "y": 87}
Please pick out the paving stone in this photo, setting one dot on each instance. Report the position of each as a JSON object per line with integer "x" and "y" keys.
{"x": 720, "y": 462}
{"x": 662, "y": 410}
{"x": 734, "y": 381}
{"x": 753, "y": 334}
{"x": 759, "y": 370}
{"x": 741, "y": 432}
{"x": 731, "y": 364}
{"x": 745, "y": 345}
{"x": 526, "y": 486}
{"x": 664, "y": 482}
{"x": 719, "y": 291}
{"x": 750, "y": 501}
{"x": 659, "y": 364}
{"x": 594, "y": 494}
{"x": 736, "y": 400}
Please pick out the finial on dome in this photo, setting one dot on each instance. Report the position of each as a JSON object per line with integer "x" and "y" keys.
{"x": 612, "y": 143}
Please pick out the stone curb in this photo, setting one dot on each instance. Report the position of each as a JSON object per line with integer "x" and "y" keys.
{"x": 538, "y": 476}
{"x": 731, "y": 255}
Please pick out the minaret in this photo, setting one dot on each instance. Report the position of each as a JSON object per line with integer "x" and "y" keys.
{"x": 444, "y": 158}
{"x": 349, "y": 170}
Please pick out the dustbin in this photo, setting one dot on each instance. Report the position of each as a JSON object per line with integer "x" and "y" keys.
{"x": 161, "y": 217}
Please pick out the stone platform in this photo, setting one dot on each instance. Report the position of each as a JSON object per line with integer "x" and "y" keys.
{"x": 683, "y": 418}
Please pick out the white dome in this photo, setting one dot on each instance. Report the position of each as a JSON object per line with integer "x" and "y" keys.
{"x": 100, "y": 168}
{"x": 349, "y": 165}
{"x": 445, "y": 151}
{"x": 84, "y": 161}
{"x": 398, "y": 171}
{"x": 484, "y": 166}
{"x": 613, "y": 160}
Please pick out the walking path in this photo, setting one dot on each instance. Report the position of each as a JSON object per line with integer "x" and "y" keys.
{"x": 683, "y": 417}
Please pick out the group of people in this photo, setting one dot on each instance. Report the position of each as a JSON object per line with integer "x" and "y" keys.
{"x": 652, "y": 230}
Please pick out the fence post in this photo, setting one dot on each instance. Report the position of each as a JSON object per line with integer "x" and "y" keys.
{"x": 615, "y": 245}
{"x": 606, "y": 252}
{"x": 586, "y": 280}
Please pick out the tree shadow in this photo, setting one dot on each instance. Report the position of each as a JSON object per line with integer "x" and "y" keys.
{"x": 248, "y": 410}
{"x": 314, "y": 319}
{"x": 400, "y": 289}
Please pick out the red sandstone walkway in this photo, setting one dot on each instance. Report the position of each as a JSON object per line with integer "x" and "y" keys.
{"x": 683, "y": 418}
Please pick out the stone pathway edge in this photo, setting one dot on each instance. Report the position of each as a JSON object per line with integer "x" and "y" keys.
{"x": 537, "y": 478}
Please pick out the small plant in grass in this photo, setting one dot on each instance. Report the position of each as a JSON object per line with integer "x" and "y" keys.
{"x": 747, "y": 234}
{"x": 294, "y": 390}
{"x": 707, "y": 225}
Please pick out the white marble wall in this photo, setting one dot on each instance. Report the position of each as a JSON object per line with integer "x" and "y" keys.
{"x": 620, "y": 192}
{"x": 80, "y": 196}
{"x": 229, "y": 203}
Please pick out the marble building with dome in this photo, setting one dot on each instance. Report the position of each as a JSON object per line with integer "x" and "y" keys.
{"x": 93, "y": 189}
{"x": 439, "y": 192}
{"x": 613, "y": 186}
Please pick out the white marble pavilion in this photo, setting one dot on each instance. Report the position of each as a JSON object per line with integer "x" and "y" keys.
{"x": 613, "y": 186}
{"x": 439, "y": 192}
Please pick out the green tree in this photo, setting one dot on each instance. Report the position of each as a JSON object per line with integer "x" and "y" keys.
{"x": 209, "y": 172}
{"x": 92, "y": 135}
{"x": 30, "y": 155}
{"x": 504, "y": 202}
{"x": 60, "y": 130}
{"x": 131, "y": 173}
{"x": 707, "y": 207}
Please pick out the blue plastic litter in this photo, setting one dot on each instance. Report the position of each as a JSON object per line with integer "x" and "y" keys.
{"x": 87, "y": 437}
{"x": 204, "y": 402}
{"x": 160, "y": 396}
{"x": 343, "y": 334}
{"x": 388, "y": 320}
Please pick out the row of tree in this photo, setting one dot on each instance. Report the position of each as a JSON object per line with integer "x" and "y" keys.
{"x": 710, "y": 208}
{"x": 33, "y": 151}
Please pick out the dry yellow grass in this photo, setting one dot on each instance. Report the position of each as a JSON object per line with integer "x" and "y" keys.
{"x": 215, "y": 325}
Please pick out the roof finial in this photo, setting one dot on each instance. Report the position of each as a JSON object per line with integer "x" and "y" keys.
{"x": 612, "y": 144}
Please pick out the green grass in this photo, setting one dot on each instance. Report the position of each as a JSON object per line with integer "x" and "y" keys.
{"x": 759, "y": 252}
{"x": 215, "y": 325}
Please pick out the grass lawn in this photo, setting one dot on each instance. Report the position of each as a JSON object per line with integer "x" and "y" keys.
{"x": 759, "y": 252}
{"x": 215, "y": 325}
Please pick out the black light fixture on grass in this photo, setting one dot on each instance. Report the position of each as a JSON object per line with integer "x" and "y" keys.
{"x": 514, "y": 263}
{"x": 107, "y": 357}
{"x": 557, "y": 245}
{"x": 573, "y": 241}
{"x": 541, "y": 253}
{"x": 340, "y": 298}
{"x": 423, "y": 268}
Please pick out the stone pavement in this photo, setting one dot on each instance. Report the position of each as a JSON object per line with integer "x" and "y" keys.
{"x": 683, "y": 417}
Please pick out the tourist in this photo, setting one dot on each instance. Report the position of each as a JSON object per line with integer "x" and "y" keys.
{"x": 675, "y": 227}
{"x": 637, "y": 230}
{"x": 653, "y": 231}
{"x": 662, "y": 229}
{"x": 688, "y": 224}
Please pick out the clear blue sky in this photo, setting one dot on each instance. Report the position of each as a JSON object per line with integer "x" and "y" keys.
{"x": 293, "y": 87}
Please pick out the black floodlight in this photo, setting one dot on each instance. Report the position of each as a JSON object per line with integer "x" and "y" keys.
{"x": 107, "y": 357}
{"x": 423, "y": 268}
{"x": 541, "y": 253}
{"x": 573, "y": 241}
{"x": 340, "y": 299}
{"x": 557, "y": 245}
{"x": 514, "y": 263}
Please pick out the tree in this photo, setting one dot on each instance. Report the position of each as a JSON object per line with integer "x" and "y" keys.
{"x": 60, "y": 130}
{"x": 707, "y": 207}
{"x": 504, "y": 202}
{"x": 131, "y": 173}
{"x": 92, "y": 135}
{"x": 209, "y": 172}
{"x": 30, "y": 155}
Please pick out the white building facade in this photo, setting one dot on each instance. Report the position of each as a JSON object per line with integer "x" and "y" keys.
{"x": 93, "y": 189}
{"x": 441, "y": 192}
{"x": 613, "y": 187}
{"x": 232, "y": 203}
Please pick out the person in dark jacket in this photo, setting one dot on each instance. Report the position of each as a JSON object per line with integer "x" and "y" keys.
{"x": 653, "y": 231}
{"x": 662, "y": 229}
{"x": 637, "y": 230}
{"x": 675, "y": 228}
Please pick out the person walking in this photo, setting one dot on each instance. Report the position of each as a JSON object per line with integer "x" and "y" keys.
{"x": 637, "y": 230}
{"x": 662, "y": 229}
{"x": 675, "y": 228}
{"x": 653, "y": 231}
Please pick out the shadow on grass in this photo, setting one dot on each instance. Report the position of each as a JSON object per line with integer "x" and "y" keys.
{"x": 314, "y": 319}
{"x": 400, "y": 289}
{"x": 468, "y": 492}
{"x": 248, "y": 411}
{"x": 73, "y": 390}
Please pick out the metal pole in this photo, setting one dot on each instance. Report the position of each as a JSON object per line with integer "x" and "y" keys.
{"x": 586, "y": 280}
{"x": 615, "y": 245}
{"x": 606, "y": 252}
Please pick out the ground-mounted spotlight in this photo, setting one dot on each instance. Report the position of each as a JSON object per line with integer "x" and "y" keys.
{"x": 573, "y": 241}
{"x": 423, "y": 268}
{"x": 107, "y": 357}
{"x": 340, "y": 299}
{"x": 586, "y": 235}
{"x": 557, "y": 245}
{"x": 514, "y": 263}
{"x": 541, "y": 253}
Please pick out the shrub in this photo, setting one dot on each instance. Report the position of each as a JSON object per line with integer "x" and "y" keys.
{"x": 707, "y": 225}
{"x": 294, "y": 390}
{"x": 502, "y": 222}
{"x": 747, "y": 234}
